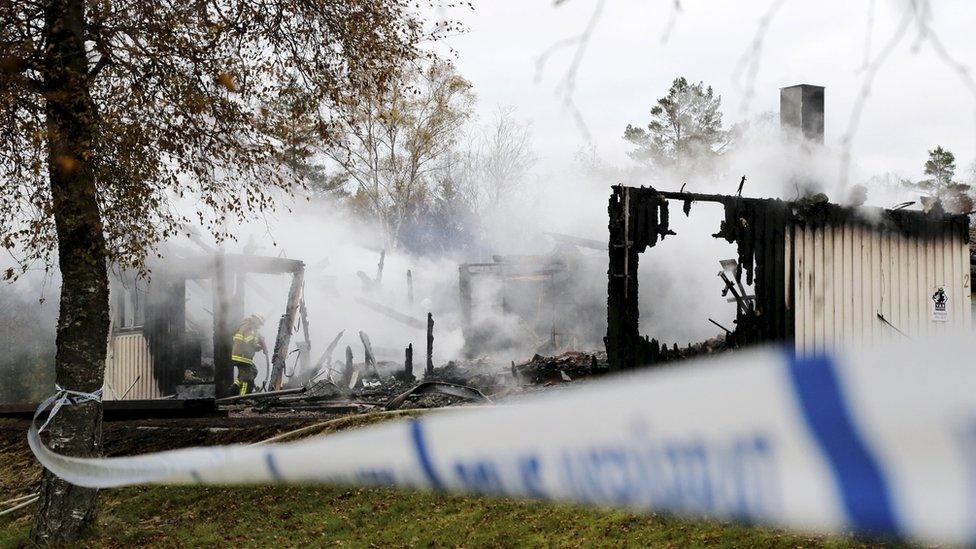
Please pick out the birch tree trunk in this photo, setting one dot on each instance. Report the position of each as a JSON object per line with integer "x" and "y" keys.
{"x": 64, "y": 511}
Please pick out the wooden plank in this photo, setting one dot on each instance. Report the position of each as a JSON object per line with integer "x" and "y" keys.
{"x": 800, "y": 289}
{"x": 848, "y": 286}
{"x": 429, "y": 367}
{"x": 838, "y": 293}
{"x": 780, "y": 281}
{"x": 876, "y": 274}
{"x": 818, "y": 289}
{"x": 897, "y": 286}
{"x": 828, "y": 288}
{"x": 133, "y": 409}
{"x": 894, "y": 288}
{"x": 771, "y": 328}
{"x": 285, "y": 329}
{"x": 930, "y": 276}
{"x": 922, "y": 286}
{"x": 966, "y": 285}
{"x": 867, "y": 287}
{"x": 952, "y": 284}
{"x": 958, "y": 259}
{"x": 911, "y": 295}
{"x": 222, "y": 334}
{"x": 788, "y": 281}
{"x": 857, "y": 285}
{"x": 957, "y": 281}
{"x": 947, "y": 277}
{"x": 884, "y": 305}
{"x": 903, "y": 287}
{"x": 939, "y": 260}
{"x": 809, "y": 329}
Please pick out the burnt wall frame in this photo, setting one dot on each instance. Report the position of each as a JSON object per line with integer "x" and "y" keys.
{"x": 639, "y": 217}
{"x": 762, "y": 230}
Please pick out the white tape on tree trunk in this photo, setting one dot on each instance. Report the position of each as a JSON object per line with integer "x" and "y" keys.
{"x": 881, "y": 442}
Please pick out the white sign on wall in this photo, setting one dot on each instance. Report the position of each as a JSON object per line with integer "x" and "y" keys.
{"x": 940, "y": 302}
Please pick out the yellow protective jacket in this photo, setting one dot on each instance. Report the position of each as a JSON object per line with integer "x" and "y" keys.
{"x": 246, "y": 342}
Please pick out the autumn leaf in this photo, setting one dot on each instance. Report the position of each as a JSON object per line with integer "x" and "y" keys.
{"x": 227, "y": 81}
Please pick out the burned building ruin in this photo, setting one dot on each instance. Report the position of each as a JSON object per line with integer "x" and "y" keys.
{"x": 530, "y": 302}
{"x": 155, "y": 339}
{"x": 823, "y": 275}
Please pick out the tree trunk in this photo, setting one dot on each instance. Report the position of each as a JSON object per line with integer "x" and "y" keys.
{"x": 63, "y": 510}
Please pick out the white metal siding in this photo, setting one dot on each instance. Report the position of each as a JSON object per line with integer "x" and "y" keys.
{"x": 129, "y": 359}
{"x": 846, "y": 275}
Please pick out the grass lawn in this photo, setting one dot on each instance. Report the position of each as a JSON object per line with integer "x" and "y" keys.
{"x": 291, "y": 517}
{"x": 162, "y": 516}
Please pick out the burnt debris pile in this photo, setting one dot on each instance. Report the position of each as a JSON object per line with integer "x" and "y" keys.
{"x": 569, "y": 366}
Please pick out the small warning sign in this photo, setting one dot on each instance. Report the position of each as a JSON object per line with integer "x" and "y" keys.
{"x": 939, "y": 303}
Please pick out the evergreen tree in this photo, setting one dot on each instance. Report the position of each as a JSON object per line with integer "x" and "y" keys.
{"x": 685, "y": 132}
{"x": 941, "y": 168}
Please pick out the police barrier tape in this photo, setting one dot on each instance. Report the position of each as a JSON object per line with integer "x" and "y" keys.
{"x": 879, "y": 442}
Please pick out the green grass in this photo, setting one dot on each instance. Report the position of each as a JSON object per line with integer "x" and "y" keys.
{"x": 292, "y": 517}
{"x": 162, "y": 516}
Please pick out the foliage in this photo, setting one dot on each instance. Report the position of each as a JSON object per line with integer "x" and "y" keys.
{"x": 446, "y": 221}
{"x": 941, "y": 168}
{"x": 496, "y": 162}
{"x": 941, "y": 171}
{"x": 396, "y": 141}
{"x": 194, "y": 100}
{"x": 485, "y": 175}
{"x": 955, "y": 196}
{"x": 412, "y": 163}
{"x": 115, "y": 115}
{"x": 685, "y": 132}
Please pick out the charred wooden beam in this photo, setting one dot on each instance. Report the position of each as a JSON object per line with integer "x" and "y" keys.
{"x": 261, "y": 395}
{"x": 285, "y": 328}
{"x": 410, "y": 287}
{"x": 368, "y": 353}
{"x": 379, "y": 268}
{"x": 222, "y": 338}
{"x": 233, "y": 263}
{"x": 430, "y": 344}
{"x": 464, "y": 290}
{"x": 164, "y": 328}
{"x": 349, "y": 376}
{"x": 633, "y": 226}
{"x": 303, "y": 314}
{"x": 326, "y": 358}
{"x": 262, "y": 264}
{"x": 408, "y": 363}
{"x": 758, "y": 228}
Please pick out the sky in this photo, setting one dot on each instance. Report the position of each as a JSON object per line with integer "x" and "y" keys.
{"x": 915, "y": 104}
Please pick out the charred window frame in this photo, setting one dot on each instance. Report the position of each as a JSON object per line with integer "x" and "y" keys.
{"x": 639, "y": 217}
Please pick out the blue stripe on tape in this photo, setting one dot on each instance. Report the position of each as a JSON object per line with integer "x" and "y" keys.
{"x": 862, "y": 486}
{"x": 269, "y": 460}
{"x": 423, "y": 456}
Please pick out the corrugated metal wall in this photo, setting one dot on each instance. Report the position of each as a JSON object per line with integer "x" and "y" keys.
{"x": 845, "y": 275}
{"x": 129, "y": 359}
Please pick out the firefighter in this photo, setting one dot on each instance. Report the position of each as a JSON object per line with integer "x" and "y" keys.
{"x": 247, "y": 342}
